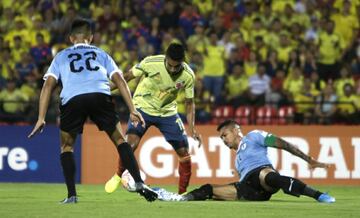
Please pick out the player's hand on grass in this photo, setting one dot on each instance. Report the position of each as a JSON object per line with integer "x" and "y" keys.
{"x": 136, "y": 118}
{"x": 38, "y": 128}
{"x": 315, "y": 164}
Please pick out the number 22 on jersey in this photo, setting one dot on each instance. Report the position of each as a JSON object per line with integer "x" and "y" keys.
{"x": 76, "y": 57}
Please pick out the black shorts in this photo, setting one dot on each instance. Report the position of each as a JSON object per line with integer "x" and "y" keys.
{"x": 97, "y": 106}
{"x": 250, "y": 188}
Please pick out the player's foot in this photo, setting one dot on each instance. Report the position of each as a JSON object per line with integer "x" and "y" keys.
{"x": 164, "y": 195}
{"x": 326, "y": 198}
{"x": 113, "y": 183}
{"x": 145, "y": 191}
{"x": 71, "y": 200}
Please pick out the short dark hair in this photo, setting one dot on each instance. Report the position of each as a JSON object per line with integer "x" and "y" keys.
{"x": 227, "y": 123}
{"x": 176, "y": 52}
{"x": 81, "y": 26}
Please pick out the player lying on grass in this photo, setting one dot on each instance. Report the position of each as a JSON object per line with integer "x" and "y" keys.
{"x": 258, "y": 179}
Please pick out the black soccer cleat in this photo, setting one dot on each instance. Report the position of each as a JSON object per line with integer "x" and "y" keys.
{"x": 146, "y": 192}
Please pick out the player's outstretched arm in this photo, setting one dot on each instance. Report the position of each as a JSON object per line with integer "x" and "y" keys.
{"x": 282, "y": 144}
{"x": 45, "y": 96}
{"x": 121, "y": 84}
{"x": 190, "y": 117}
{"x": 129, "y": 75}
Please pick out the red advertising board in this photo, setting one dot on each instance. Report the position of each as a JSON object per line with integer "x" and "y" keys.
{"x": 213, "y": 162}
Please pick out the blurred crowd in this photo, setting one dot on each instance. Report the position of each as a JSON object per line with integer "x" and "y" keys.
{"x": 299, "y": 53}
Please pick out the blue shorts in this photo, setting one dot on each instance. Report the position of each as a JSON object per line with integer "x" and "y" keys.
{"x": 171, "y": 127}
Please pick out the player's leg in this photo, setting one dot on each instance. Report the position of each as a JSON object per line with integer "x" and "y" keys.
{"x": 245, "y": 191}
{"x": 68, "y": 165}
{"x": 104, "y": 116}
{"x": 133, "y": 135}
{"x": 250, "y": 187}
{"x": 292, "y": 186}
{"x": 133, "y": 140}
{"x": 184, "y": 169}
{"x": 225, "y": 192}
{"x": 200, "y": 194}
{"x": 72, "y": 117}
{"x": 174, "y": 132}
{"x": 129, "y": 161}
{"x": 113, "y": 183}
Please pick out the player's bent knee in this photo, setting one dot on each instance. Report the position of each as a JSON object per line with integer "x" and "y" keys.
{"x": 185, "y": 158}
{"x": 66, "y": 148}
{"x": 289, "y": 185}
{"x": 263, "y": 173}
{"x": 133, "y": 140}
{"x": 179, "y": 145}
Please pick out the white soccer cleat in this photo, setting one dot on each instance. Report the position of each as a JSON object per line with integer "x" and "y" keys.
{"x": 164, "y": 195}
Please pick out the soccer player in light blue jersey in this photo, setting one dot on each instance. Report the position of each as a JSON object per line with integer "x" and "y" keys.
{"x": 258, "y": 179}
{"x": 84, "y": 72}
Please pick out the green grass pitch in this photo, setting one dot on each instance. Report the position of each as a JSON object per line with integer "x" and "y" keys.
{"x": 41, "y": 200}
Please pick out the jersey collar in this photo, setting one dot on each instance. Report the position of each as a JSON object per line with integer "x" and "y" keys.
{"x": 80, "y": 44}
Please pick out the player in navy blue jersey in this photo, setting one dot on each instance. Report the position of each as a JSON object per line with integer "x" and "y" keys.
{"x": 84, "y": 72}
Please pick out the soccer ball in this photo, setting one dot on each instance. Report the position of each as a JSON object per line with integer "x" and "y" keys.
{"x": 128, "y": 181}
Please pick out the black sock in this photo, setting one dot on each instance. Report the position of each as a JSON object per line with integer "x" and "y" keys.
{"x": 68, "y": 166}
{"x": 128, "y": 159}
{"x": 308, "y": 191}
{"x": 200, "y": 194}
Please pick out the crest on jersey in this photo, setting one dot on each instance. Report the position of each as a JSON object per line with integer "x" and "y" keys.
{"x": 179, "y": 85}
{"x": 243, "y": 146}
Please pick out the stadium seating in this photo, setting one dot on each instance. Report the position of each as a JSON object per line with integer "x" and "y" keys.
{"x": 266, "y": 115}
{"x": 244, "y": 115}
{"x": 222, "y": 113}
{"x": 285, "y": 115}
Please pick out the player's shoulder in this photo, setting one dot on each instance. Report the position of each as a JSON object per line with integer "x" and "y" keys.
{"x": 154, "y": 59}
{"x": 60, "y": 54}
{"x": 188, "y": 71}
{"x": 257, "y": 133}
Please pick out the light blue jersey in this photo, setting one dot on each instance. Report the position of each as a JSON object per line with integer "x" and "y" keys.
{"x": 252, "y": 153}
{"x": 82, "y": 69}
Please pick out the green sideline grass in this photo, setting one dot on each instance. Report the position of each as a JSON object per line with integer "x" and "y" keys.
{"x": 41, "y": 200}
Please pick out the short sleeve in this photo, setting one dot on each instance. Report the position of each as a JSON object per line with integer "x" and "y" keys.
{"x": 110, "y": 66}
{"x": 258, "y": 136}
{"x": 54, "y": 69}
{"x": 189, "y": 89}
{"x": 139, "y": 69}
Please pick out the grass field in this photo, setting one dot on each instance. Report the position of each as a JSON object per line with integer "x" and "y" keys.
{"x": 40, "y": 200}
